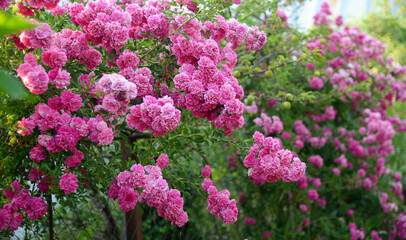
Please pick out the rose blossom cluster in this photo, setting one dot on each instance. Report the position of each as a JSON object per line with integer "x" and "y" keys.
{"x": 99, "y": 131}
{"x": 118, "y": 92}
{"x": 312, "y": 194}
{"x": 316, "y": 161}
{"x": 142, "y": 77}
{"x": 387, "y": 206}
{"x": 219, "y": 103}
{"x": 302, "y": 134}
{"x": 110, "y": 27}
{"x": 76, "y": 47}
{"x": 155, "y": 192}
{"x": 35, "y": 175}
{"x": 162, "y": 161}
{"x": 321, "y": 17}
{"x": 157, "y": 115}
{"x": 17, "y": 199}
{"x": 316, "y": 83}
{"x": 304, "y": 182}
{"x": 320, "y": 141}
{"x": 149, "y": 18}
{"x": 316, "y": 182}
{"x": 56, "y": 117}
{"x": 271, "y": 125}
{"x": 397, "y": 189}
{"x": 47, "y": 118}
{"x": 375, "y": 235}
{"x": 353, "y": 146}
{"x": 105, "y": 23}
{"x": 282, "y": 15}
{"x": 378, "y": 131}
{"x": 128, "y": 60}
{"x": 153, "y": 21}
{"x": 202, "y": 87}
{"x": 31, "y": 5}
{"x": 219, "y": 203}
{"x": 273, "y": 162}
{"x": 303, "y": 208}
{"x": 356, "y": 233}
{"x": 44, "y": 182}
{"x": 60, "y": 47}
{"x": 329, "y": 114}
{"x": 34, "y": 76}
{"x": 39, "y": 37}
{"x": 342, "y": 161}
{"x": 249, "y": 221}
{"x": 68, "y": 183}
{"x": 61, "y": 78}
{"x": 401, "y": 226}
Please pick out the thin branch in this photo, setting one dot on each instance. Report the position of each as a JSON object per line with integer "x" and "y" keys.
{"x": 217, "y": 227}
{"x": 110, "y": 224}
{"x": 50, "y": 218}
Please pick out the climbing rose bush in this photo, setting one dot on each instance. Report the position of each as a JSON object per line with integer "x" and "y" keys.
{"x": 94, "y": 81}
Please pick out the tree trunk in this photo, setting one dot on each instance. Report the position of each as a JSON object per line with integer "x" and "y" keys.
{"x": 133, "y": 218}
{"x": 50, "y": 218}
{"x": 133, "y": 224}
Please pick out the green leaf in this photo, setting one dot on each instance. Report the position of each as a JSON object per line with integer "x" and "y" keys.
{"x": 11, "y": 86}
{"x": 11, "y": 24}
